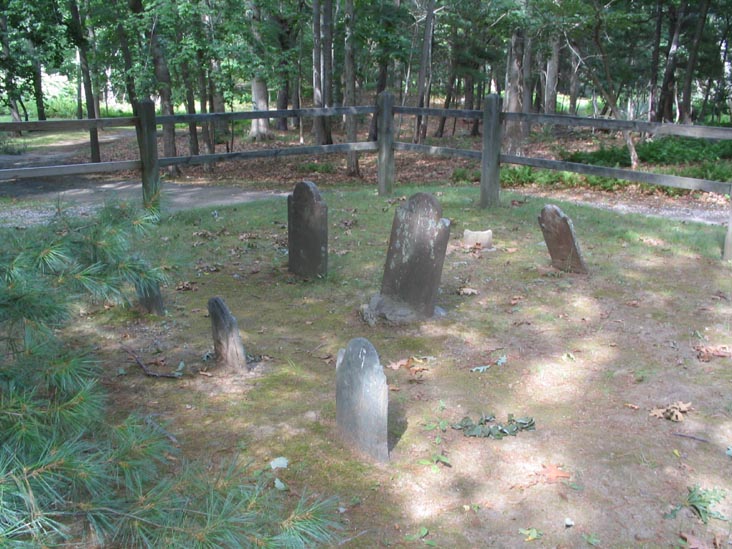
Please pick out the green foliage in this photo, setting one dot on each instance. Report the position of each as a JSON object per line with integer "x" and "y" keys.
{"x": 63, "y": 469}
{"x": 701, "y": 501}
{"x": 316, "y": 167}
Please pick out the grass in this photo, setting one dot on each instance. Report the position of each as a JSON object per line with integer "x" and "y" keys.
{"x": 576, "y": 349}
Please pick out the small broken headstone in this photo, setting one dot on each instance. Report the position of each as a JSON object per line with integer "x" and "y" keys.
{"x": 482, "y": 239}
{"x": 417, "y": 247}
{"x": 150, "y": 299}
{"x": 307, "y": 231}
{"x": 362, "y": 399}
{"x": 228, "y": 348}
{"x": 560, "y": 240}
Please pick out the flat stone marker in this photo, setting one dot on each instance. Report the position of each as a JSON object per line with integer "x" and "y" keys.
{"x": 362, "y": 399}
{"x": 414, "y": 261}
{"x": 307, "y": 231}
{"x": 228, "y": 348}
{"x": 561, "y": 241}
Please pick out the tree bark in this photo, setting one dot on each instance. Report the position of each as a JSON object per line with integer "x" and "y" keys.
{"x": 691, "y": 63}
{"x": 260, "y": 98}
{"x": 318, "y": 122}
{"x": 424, "y": 68}
{"x": 655, "y": 61}
{"x": 514, "y": 90}
{"x": 326, "y": 53}
{"x": 552, "y": 76}
{"x": 350, "y": 95}
{"x": 78, "y": 36}
{"x": 666, "y": 100}
{"x": 381, "y": 80}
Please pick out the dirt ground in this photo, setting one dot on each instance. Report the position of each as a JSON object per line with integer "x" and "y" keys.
{"x": 592, "y": 359}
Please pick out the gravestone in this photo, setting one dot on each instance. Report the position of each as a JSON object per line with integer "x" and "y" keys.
{"x": 560, "y": 240}
{"x": 150, "y": 299}
{"x": 478, "y": 239}
{"x": 307, "y": 231}
{"x": 362, "y": 399}
{"x": 413, "y": 268}
{"x": 228, "y": 348}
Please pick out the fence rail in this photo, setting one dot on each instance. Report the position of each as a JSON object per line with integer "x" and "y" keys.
{"x": 489, "y": 155}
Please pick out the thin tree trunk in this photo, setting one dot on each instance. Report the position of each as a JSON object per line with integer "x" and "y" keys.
{"x": 552, "y": 76}
{"x": 191, "y": 109}
{"x": 318, "y": 121}
{"x": 283, "y": 99}
{"x": 655, "y": 62}
{"x": 448, "y": 101}
{"x": 424, "y": 68}
{"x": 668, "y": 87}
{"x": 350, "y": 95}
{"x": 691, "y": 63}
{"x": 260, "y": 98}
{"x": 77, "y": 31}
{"x": 380, "y": 87}
{"x": 514, "y": 92}
{"x": 326, "y": 53}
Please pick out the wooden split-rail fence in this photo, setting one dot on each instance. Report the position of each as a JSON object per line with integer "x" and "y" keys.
{"x": 386, "y": 145}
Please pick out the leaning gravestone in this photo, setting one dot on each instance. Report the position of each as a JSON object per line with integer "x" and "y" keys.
{"x": 560, "y": 240}
{"x": 413, "y": 269}
{"x": 362, "y": 399}
{"x": 228, "y": 348}
{"x": 150, "y": 298}
{"x": 307, "y": 231}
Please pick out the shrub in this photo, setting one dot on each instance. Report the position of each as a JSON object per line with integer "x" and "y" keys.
{"x": 66, "y": 474}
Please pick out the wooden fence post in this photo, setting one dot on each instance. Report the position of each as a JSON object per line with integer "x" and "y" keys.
{"x": 490, "y": 169}
{"x": 148, "y": 144}
{"x": 385, "y": 138}
{"x": 727, "y": 251}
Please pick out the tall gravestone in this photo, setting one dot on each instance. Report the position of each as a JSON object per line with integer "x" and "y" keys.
{"x": 362, "y": 399}
{"x": 414, "y": 260}
{"x": 228, "y": 348}
{"x": 307, "y": 231}
{"x": 561, "y": 241}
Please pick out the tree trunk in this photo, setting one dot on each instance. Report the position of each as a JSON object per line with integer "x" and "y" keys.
{"x": 665, "y": 111}
{"x": 424, "y": 68}
{"x": 8, "y": 80}
{"x": 514, "y": 90}
{"x": 326, "y": 53}
{"x": 574, "y": 81}
{"x": 448, "y": 101}
{"x": 655, "y": 62}
{"x": 691, "y": 63}
{"x": 552, "y": 76}
{"x": 283, "y": 99}
{"x": 260, "y": 97}
{"x": 191, "y": 109}
{"x": 38, "y": 86}
{"x": 380, "y": 87}
{"x": 318, "y": 122}
{"x": 79, "y": 38}
{"x": 349, "y": 68}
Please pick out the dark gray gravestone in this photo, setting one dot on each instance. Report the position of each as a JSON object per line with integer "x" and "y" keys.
{"x": 151, "y": 299}
{"x": 307, "y": 231}
{"x": 362, "y": 399}
{"x": 228, "y": 348}
{"x": 560, "y": 240}
{"x": 413, "y": 269}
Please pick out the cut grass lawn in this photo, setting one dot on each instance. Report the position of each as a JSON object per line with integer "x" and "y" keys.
{"x": 585, "y": 356}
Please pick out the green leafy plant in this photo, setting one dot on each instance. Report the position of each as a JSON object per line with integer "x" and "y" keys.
{"x": 700, "y": 501}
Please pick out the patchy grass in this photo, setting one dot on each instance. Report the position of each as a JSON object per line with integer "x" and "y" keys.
{"x": 585, "y": 356}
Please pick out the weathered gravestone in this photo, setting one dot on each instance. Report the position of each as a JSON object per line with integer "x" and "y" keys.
{"x": 362, "y": 399}
{"x": 413, "y": 269}
{"x": 150, "y": 299}
{"x": 560, "y": 240}
{"x": 228, "y": 348}
{"x": 307, "y": 231}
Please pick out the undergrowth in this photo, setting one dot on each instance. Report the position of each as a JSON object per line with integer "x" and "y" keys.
{"x": 69, "y": 475}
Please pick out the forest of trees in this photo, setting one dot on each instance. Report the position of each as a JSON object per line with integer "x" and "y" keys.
{"x": 660, "y": 60}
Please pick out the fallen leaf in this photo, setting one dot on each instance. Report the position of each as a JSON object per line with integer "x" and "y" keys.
{"x": 467, "y": 291}
{"x": 631, "y": 406}
{"x": 510, "y": 250}
{"x": 633, "y": 303}
{"x": 394, "y": 388}
{"x": 515, "y": 300}
{"x": 204, "y": 373}
{"x": 187, "y": 286}
{"x": 398, "y": 364}
{"x": 552, "y": 473}
{"x": 705, "y": 353}
{"x": 693, "y": 542}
